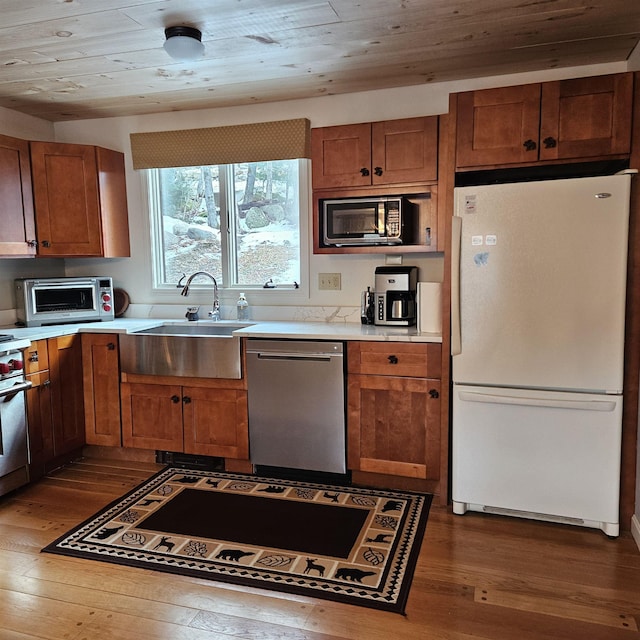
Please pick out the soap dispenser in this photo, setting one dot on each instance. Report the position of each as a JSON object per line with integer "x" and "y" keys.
{"x": 242, "y": 308}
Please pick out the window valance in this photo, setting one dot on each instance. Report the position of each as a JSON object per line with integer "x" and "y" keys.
{"x": 279, "y": 140}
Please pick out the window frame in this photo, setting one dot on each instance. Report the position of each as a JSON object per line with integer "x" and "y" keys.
{"x": 281, "y": 294}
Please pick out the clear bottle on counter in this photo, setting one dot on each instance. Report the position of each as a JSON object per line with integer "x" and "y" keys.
{"x": 242, "y": 308}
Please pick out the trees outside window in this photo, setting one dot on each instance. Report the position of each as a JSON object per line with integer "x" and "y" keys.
{"x": 239, "y": 222}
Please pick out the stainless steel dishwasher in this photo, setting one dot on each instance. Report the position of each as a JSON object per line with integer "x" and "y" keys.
{"x": 297, "y": 404}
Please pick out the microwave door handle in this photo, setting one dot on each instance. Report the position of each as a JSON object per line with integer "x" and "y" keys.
{"x": 456, "y": 328}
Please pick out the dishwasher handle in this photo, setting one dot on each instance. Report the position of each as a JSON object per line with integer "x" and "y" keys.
{"x": 311, "y": 357}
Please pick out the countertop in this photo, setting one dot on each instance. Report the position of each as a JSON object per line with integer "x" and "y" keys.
{"x": 260, "y": 329}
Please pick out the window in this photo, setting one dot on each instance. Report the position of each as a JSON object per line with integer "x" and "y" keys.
{"x": 240, "y": 222}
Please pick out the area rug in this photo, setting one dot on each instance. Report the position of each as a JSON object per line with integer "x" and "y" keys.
{"x": 347, "y": 544}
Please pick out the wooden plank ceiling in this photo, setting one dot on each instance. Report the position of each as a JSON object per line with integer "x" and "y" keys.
{"x": 78, "y": 59}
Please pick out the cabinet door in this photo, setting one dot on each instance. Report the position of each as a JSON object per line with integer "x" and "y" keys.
{"x": 586, "y": 117}
{"x": 394, "y": 425}
{"x": 18, "y": 230}
{"x": 215, "y": 422}
{"x": 498, "y": 126}
{"x": 40, "y": 423}
{"x": 67, "y": 399}
{"x": 65, "y": 188}
{"x": 100, "y": 366}
{"x": 114, "y": 215}
{"x": 151, "y": 416}
{"x": 405, "y": 151}
{"x": 341, "y": 156}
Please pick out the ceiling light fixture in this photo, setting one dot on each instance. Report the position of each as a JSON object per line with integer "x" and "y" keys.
{"x": 183, "y": 43}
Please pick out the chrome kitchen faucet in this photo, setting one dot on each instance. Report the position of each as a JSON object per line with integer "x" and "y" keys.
{"x": 214, "y": 314}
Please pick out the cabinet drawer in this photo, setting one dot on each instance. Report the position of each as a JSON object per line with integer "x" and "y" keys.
{"x": 36, "y": 357}
{"x": 405, "y": 359}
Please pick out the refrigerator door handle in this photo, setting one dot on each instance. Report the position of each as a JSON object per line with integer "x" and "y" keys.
{"x": 583, "y": 405}
{"x": 456, "y": 241}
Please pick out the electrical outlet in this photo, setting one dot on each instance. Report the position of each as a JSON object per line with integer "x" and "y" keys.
{"x": 329, "y": 282}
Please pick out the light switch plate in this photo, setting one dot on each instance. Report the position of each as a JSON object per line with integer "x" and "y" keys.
{"x": 329, "y": 281}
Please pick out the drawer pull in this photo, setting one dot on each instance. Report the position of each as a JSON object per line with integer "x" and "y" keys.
{"x": 393, "y": 359}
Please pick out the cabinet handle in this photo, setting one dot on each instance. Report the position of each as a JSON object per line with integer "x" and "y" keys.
{"x": 32, "y": 243}
{"x": 393, "y": 359}
{"x": 550, "y": 143}
{"x": 529, "y": 145}
{"x": 377, "y": 171}
{"x": 433, "y": 393}
{"x": 46, "y": 243}
{"x": 111, "y": 346}
{"x": 46, "y": 383}
{"x": 33, "y": 357}
{"x": 364, "y": 171}
{"x": 175, "y": 399}
{"x": 186, "y": 400}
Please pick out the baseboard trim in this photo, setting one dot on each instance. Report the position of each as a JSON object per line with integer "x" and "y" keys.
{"x": 635, "y": 529}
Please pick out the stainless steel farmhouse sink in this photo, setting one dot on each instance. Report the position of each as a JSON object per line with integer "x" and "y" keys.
{"x": 195, "y": 329}
{"x": 183, "y": 349}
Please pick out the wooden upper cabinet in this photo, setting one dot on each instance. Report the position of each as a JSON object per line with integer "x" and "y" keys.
{"x": 586, "y": 117}
{"x": 378, "y": 153}
{"x": 341, "y": 156}
{"x": 17, "y": 231}
{"x": 80, "y": 200}
{"x": 577, "y": 119}
{"x": 404, "y": 151}
{"x": 498, "y": 126}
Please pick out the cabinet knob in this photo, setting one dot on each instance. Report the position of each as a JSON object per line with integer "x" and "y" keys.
{"x": 529, "y": 145}
{"x": 377, "y": 171}
{"x": 111, "y": 346}
{"x": 393, "y": 359}
{"x": 33, "y": 357}
{"x": 46, "y": 383}
{"x": 46, "y": 243}
{"x": 433, "y": 393}
{"x": 32, "y": 243}
{"x": 550, "y": 143}
{"x": 186, "y": 400}
{"x": 175, "y": 399}
{"x": 364, "y": 171}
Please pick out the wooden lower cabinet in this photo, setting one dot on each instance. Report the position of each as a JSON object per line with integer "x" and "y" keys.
{"x": 101, "y": 381}
{"x": 207, "y": 418}
{"x": 393, "y": 415}
{"x": 67, "y": 398}
{"x": 55, "y": 403}
{"x": 394, "y": 426}
{"x": 216, "y": 422}
{"x": 152, "y": 416}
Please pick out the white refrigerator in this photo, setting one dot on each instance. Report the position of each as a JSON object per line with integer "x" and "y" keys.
{"x": 538, "y": 307}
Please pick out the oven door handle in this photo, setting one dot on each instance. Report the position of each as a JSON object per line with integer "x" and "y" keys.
{"x": 15, "y": 389}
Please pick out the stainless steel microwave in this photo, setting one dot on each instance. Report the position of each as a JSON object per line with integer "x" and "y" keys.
{"x": 366, "y": 221}
{"x": 51, "y": 301}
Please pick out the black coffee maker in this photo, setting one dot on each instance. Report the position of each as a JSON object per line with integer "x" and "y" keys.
{"x": 395, "y": 296}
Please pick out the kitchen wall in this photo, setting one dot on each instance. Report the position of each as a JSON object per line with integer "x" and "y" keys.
{"x": 134, "y": 274}
{"x": 357, "y": 270}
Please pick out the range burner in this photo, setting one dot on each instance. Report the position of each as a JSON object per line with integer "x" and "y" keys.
{"x": 5, "y": 337}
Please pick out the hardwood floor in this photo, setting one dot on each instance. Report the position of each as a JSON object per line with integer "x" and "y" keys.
{"x": 478, "y": 577}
